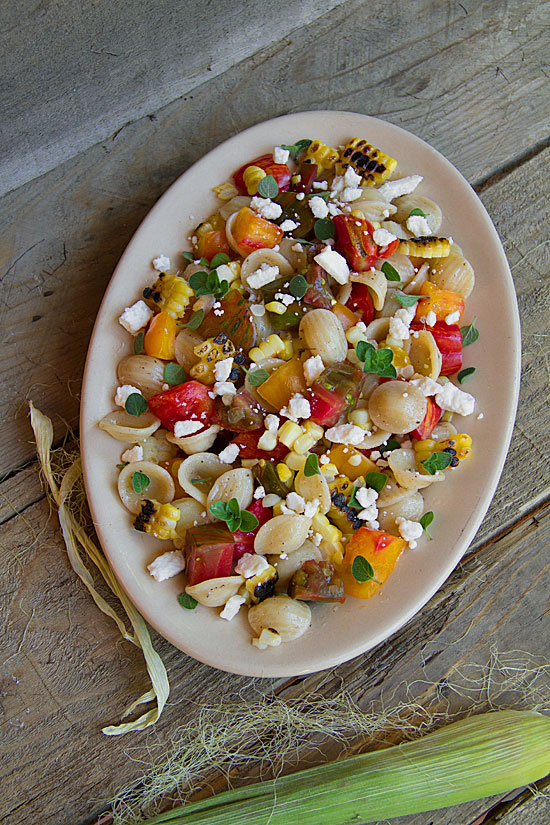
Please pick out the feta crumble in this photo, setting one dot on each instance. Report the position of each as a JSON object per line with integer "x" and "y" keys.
{"x": 427, "y": 386}
{"x": 395, "y": 188}
{"x": 431, "y": 318}
{"x": 288, "y": 225}
{"x": 409, "y": 530}
{"x": 265, "y": 208}
{"x": 318, "y": 207}
{"x": 251, "y": 564}
{"x": 452, "y": 399}
{"x": 161, "y": 264}
{"x": 298, "y": 407}
{"x": 167, "y": 565}
{"x": 123, "y": 392}
{"x": 351, "y": 193}
{"x": 333, "y": 263}
{"x": 222, "y": 369}
{"x": 265, "y": 274}
{"x": 401, "y": 321}
{"x": 280, "y": 155}
{"x": 232, "y": 607}
{"x": 313, "y": 367}
{"x": 320, "y": 184}
{"x": 136, "y": 317}
{"x": 271, "y": 423}
{"x": 133, "y": 454}
{"x": 295, "y": 502}
{"x": 185, "y": 428}
{"x": 229, "y": 454}
{"x": 345, "y": 434}
{"x": 382, "y": 237}
{"x": 452, "y": 317}
{"x": 418, "y": 225}
{"x": 259, "y": 492}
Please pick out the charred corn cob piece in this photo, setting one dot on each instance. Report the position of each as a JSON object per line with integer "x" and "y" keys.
{"x": 322, "y": 155}
{"x": 252, "y": 175}
{"x": 156, "y": 519}
{"x": 170, "y": 293}
{"x": 427, "y": 246}
{"x": 274, "y": 346}
{"x": 211, "y": 225}
{"x": 262, "y": 586}
{"x": 461, "y": 443}
{"x": 226, "y": 190}
{"x": 459, "y": 447}
{"x": 209, "y": 352}
{"x": 372, "y": 164}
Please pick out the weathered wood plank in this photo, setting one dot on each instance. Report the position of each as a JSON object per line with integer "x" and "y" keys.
{"x": 82, "y": 71}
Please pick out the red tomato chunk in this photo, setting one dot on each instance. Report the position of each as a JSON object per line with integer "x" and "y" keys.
{"x": 186, "y": 402}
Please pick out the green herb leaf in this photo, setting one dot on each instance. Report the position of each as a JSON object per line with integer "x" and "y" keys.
{"x": 201, "y": 481}
{"x": 362, "y": 570}
{"x": 469, "y": 334}
{"x": 138, "y": 343}
{"x": 417, "y": 211}
{"x": 220, "y": 510}
{"x": 234, "y": 517}
{"x": 353, "y": 499}
{"x": 296, "y": 148}
{"x": 390, "y": 272}
{"x": 324, "y": 229}
{"x": 204, "y": 262}
{"x": 376, "y": 480}
{"x": 323, "y": 195}
{"x": 196, "y": 320}
{"x": 391, "y": 444}
{"x": 464, "y": 374}
{"x": 219, "y": 259}
{"x": 437, "y": 461}
{"x": 311, "y": 467}
{"x": 257, "y": 377}
{"x": 298, "y": 286}
{"x": 425, "y": 521}
{"x": 268, "y": 187}
{"x": 140, "y": 482}
{"x": 123, "y": 465}
{"x": 303, "y": 241}
{"x": 135, "y": 404}
{"x": 174, "y": 374}
{"x": 406, "y": 300}
{"x": 376, "y": 361}
{"x": 198, "y": 279}
{"x": 248, "y": 521}
{"x": 233, "y": 506}
{"x": 188, "y": 256}
{"x": 208, "y": 283}
{"x": 187, "y": 601}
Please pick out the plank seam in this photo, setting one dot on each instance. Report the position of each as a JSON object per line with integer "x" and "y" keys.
{"x": 516, "y": 163}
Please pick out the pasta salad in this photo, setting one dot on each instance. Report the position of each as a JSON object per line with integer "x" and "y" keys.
{"x": 293, "y": 386}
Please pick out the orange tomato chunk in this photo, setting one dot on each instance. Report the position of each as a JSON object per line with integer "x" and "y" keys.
{"x": 341, "y": 455}
{"x": 212, "y": 243}
{"x": 283, "y": 383}
{"x": 441, "y": 301}
{"x": 381, "y": 550}
{"x": 160, "y": 337}
{"x": 251, "y": 231}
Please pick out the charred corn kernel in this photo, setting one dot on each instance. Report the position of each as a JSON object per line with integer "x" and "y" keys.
{"x": 426, "y": 247}
{"x": 355, "y": 334}
{"x": 252, "y": 175}
{"x": 462, "y": 443}
{"x": 314, "y": 430}
{"x": 267, "y": 638}
{"x": 319, "y": 153}
{"x": 371, "y": 163}
{"x": 330, "y": 470}
{"x": 226, "y": 190}
{"x": 284, "y": 473}
{"x": 277, "y": 307}
{"x": 271, "y": 347}
{"x": 210, "y": 225}
{"x": 209, "y": 352}
{"x": 170, "y": 293}
{"x": 303, "y": 443}
{"x": 158, "y": 520}
{"x": 400, "y": 357}
{"x": 288, "y": 433}
{"x": 341, "y": 484}
{"x": 295, "y": 460}
{"x": 361, "y": 419}
{"x": 160, "y": 337}
{"x": 320, "y": 524}
{"x": 267, "y": 441}
{"x": 262, "y": 586}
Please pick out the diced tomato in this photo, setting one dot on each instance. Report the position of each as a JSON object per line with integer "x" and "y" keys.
{"x": 360, "y": 302}
{"x": 449, "y": 343}
{"x": 297, "y": 211}
{"x": 208, "y": 552}
{"x": 440, "y": 301}
{"x": 381, "y": 550}
{"x": 212, "y": 243}
{"x": 308, "y": 173}
{"x": 242, "y": 415}
{"x": 279, "y": 171}
{"x": 316, "y": 581}
{"x": 244, "y": 542}
{"x": 250, "y": 231}
{"x": 433, "y": 414}
{"x": 185, "y": 402}
{"x": 283, "y": 383}
{"x": 335, "y": 391}
{"x": 318, "y": 293}
{"x": 345, "y": 315}
{"x": 354, "y": 241}
{"x": 326, "y": 407}
{"x": 386, "y": 251}
{"x": 248, "y": 447}
{"x": 236, "y": 320}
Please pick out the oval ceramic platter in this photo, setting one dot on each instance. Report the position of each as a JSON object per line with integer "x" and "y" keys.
{"x": 337, "y": 633}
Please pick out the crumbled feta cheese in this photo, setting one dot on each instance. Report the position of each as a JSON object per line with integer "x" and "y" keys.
{"x": 295, "y": 502}
{"x": 366, "y": 496}
{"x": 375, "y": 454}
{"x": 162, "y": 263}
{"x": 337, "y": 185}
{"x": 409, "y": 530}
{"x": 324, "y": 459}
{"x": 185, "y": 428}
{"x": 133, "y": 454}
{"x": 452, "y": 317}
{"x": 262, "y": 276}
{"x": 136, "y": 317}
{"x": 218, "y": 312}
{"x": 284, "y": 298}
{"x": 351, "y": 178}
{"x": 395, "y": 188}
{"x": 288, "y": 225}
{"x": 167, "y": 565}
{"x": 317, "y": 539}
{"x": 431, "y": 318}
{"x": 250, "y": 564}
{"x": 480, "y": 417}
{"x": 313, "y": 367}
{"x": 298, "y": 407}
{"x": 122, "y": 393}
{"x": 334, "y": 209}
{"x": 452, "y": 399}
{"x": 318, "y": 207}
{"x": 333, "y": 263}
{"x": 265, "y": 208}
{"x": 297, "y": 247}
{"x": 232, "y": 607}
{"x": 401, "y": 321}
{"x": 382, "y": 237}
{"x": 280, "y": 155}
{"x": 257, "y": 309}
{"x": 418, "y": 225}
{"x": 427, "y": 386}
{"x": 311, "y": 508}
{"x": 224, "y": 272}
{"x": 320, "y": 184}
{"x": 271, "y": 423}
{"x": 229, "y": 454}
{"x": 267, "y": 441}
{"x": 369, "y": 513}
{"x": 345, "y": 434}
{"x": 351, "y": 193}
{"x": 222, "y": 369}
{"x": 259, "y": 492}
{"x": 300, "y": 196}
{"x": 224, "y": 388}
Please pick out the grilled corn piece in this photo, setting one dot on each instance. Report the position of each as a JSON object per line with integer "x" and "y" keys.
{"x": 322, "y": 155}
{"x": 170, "y": 293}
{"x": 209, "y": 352}
{"x": 252, "y": 175}
{"x": 427, "y": 246}
{"x": 262, "y": 586}
{"x": 371, "y": 163}
{"x": 156, "y": 519}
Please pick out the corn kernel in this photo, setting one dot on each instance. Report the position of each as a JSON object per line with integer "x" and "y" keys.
{"x": 357, "y": 213}
{"x": 361, "y": 419}
{"x": 288, "y": 433}
{"x": 329, "y": 469}
{"x": 295, "y": 461}
{"x": 322, "y": 155}
{"x": 341, "y": 484}
{"x": 156, "y": 519}
{"x": 284, "y": 473}
{"x": 314, "y": 430}
{"x": 226, "y": 190}
{"x": 276, "y": 307}
{"x": 256, "y": 355}
{"x": 303, "y": 443}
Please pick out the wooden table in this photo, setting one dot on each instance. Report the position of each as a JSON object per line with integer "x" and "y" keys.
{"x": 105, "y": 105}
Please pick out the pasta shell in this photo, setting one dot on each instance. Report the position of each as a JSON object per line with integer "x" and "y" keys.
{"x": 343, "y": 294}
{"x": 443, "y": 430}
{"x": 161, "y": 485}
{"x": 287, "y": 567}
{"x": 237, "y": 484}
{"x": 313, "y": 487}
{"x": 421, "y": 276}
{"x": 186, "y": 341}
{"x": 324, "y": 335}
{"x": 215, "y": 592}
{"x": 203, "y": 466}
{"x": 288, "y": 617}
{"x": 392, "y": 492}
{"x": 395, "y": 228}
{"x": 192, "y": 513}
{"x": 404, "y": 267}
{"x": 282, "y": 534}
{"x": 197, "y": 443}
{"x": 403, "y": 465}
{"x": 373, "y": 206}
{"x": 378, "y": 329}
{"x": 406, "y": 203}
{"x": 375, "y": 439}
{"x": 253, "y": 262}
{"x": 376, "y": 283}
{"x": 454, "y": 273}
{"x": 410, "y": 506}
{"x": 296, "y": 258}
{"x": 142, "y": 371}
{"x": 397, "y": 407}
{"x": 191, "y": 268}
{"x": 425, "y": 355}
{"x": 129, "y": 428}
{"x": 234, "y": 205}
{"x": 156, "y": 448}
{"x": 391, "y": 305}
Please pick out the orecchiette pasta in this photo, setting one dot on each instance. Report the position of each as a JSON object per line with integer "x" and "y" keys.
{"x": 324, "y": 335}
{"x": 160, "y": 484}
{"x": 237, "y": 484}
{"x": 197, "y": 473}
{"x": 282, "y": 534}
{"x": 129, "y": 428}
{"x": 287, "y": 617}
{"x": 143, "y": 372}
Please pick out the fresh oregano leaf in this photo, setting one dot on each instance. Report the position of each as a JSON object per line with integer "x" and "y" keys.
{"x": 197, "y": 481}
{"x": 353, "y": 500}
{"x": 464, "y": 374}
{"x": 376, "y": 480}
{"x": 324, "y": 229}
{"x": 248, "y": 521}
{"x": 188, "y": 256}
{"x": 219, "y": 259}
{"x": 257, "y": 377}
{"x": 219, "y": 509}
{"x": 425, "y": 521}
{"x": 406, "y": 300}
{"x": 196, "y": 320}
{"x": 138, "y": 343}
{"x": 362, "y": 570}
{"x": 469, "y": 334}
{"x": 390, "y": 272}
{"x": 417, "y": 211}
{"x": 436, "y": 462}
{"x": 376, "y": 361}
{"x": 187, "y": 601}
{"x": 298, "y": 286}
{"x": 267, "y": 187}
{"x": 296, "y": 148}
{"x": 391, "y": 444}
{"x": 140, "y": 482}
{"x": 311, "y": 467}
{"x": 174, "y": 374}
{"x": 198, "y": 279}
{"x": 135, "y": 404}
{"x": 204, "y": 262}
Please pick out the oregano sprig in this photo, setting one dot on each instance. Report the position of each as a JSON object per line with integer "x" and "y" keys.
{"x": 234, "y": 517}
{"x": 362, "y": 570}
{"x": 208, "y": 283}
{"x": 376, "y": 361}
